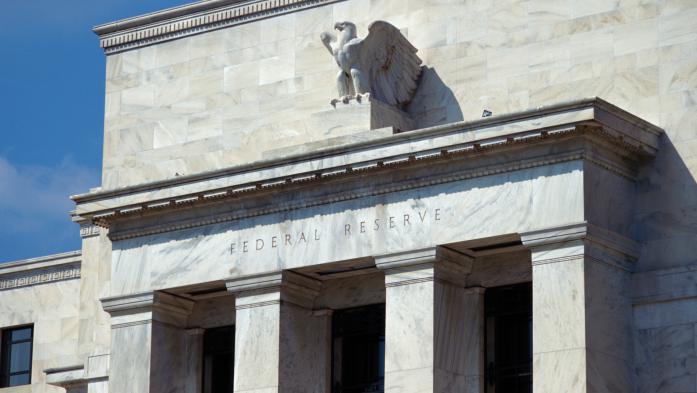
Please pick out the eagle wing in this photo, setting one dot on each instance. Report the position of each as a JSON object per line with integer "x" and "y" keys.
{"x": 391, "y": 62}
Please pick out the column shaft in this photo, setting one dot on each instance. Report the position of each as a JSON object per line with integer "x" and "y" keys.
{"x": 280, "y": 345}
{"x": 148, "y": 343}
{"x": 257, "y": 341}
{"x": 434, "y": 327}
{"x": 194, "y": 351}
{"x": 581, "y": 319}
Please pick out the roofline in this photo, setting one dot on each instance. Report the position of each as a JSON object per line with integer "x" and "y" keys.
{"x": 191, "y": 19}
{"x": 40, "y": 262}
{"x": 163, "y": 15}
{"x": 416, "y": 134}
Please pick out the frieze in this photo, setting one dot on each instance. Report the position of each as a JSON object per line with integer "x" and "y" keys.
{"x": 355, "y": 227}
{"x": 88, "y": 230}
{"x": 103, "y": 219}
{"x": 638, "y": 141}
{"x": 304, "y": 204}
{"x": 40, "y": 276}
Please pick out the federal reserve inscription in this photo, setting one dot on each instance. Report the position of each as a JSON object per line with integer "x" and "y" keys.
{"x": 357, "y": 227}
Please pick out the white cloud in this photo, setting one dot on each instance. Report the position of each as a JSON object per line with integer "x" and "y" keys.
{"x": 36, "y": 197}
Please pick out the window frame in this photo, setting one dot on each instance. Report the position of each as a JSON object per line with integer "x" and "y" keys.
{"x": 6, "y": 344}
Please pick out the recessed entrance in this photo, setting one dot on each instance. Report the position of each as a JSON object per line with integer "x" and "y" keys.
{"x": 509, "y": 339}
{"x": 358, "y": 349}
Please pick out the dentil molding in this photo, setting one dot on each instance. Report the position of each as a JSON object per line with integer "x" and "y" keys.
{"x": 192, "y": 19}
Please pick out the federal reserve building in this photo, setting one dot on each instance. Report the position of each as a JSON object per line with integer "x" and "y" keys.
{"x": 363, "y": 196}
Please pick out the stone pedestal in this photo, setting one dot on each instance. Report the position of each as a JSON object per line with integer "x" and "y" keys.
{"x": 280, "y": 345}
{"x": 148, "y": 343}
{"x": 434, "y": 328}
{"x": 582, "y": 312}
{"x": 355, "y": 116}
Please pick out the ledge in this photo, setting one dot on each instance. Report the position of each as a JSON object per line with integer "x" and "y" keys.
{"x": 580, "y": 231}
{"x": 619, "y": 130}
{"x": 147, "y": 300}
{"x": 40, "y": 270}
{"x": 66, "y": 377}
{"x": 192, "y": 19}
{"x": 96, "y": 368}
{"x": 40, "y": 262}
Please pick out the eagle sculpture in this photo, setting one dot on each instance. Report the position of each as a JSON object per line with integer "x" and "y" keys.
{"x": 382, "y": 66}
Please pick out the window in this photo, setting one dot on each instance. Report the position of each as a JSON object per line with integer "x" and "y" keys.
{"x": 358, "y": 350}
{"x": 15, "y": 362}
{"x": 219, "y": 360}
{"x": 509, "y": 339}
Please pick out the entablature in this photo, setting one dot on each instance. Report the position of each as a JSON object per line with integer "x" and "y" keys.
{"x": 625, "y": 137}
{"x": 40, "y": 270}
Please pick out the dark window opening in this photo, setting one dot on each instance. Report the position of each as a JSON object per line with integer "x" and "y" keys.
{"x": 219, "y": 360}
{"x": 358, "y": 350}
{"x": 509, "y": 339}
{"x": 16, "y": 357}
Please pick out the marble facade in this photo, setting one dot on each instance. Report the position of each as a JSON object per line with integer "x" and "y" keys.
{"x": 233, "y": 193}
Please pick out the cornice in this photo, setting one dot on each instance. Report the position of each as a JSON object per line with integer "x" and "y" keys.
{"x": 455, "y": 141}
{"x": 41, "y": 270}
{"x": 308, "y": 203}
{"x": 39, "y": 262}
{"x": 174, "y": 205}
{"x": 192, "y": 19}
{"x": 596, "y": 104}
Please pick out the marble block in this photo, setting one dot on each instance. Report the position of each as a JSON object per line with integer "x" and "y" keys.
{"x": 358, "y": 115}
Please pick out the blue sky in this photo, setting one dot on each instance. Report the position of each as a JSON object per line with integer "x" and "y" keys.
{"x": 51, "y": 116}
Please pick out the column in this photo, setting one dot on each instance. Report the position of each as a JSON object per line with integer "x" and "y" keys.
{"x": 434, "y": 327}
{"x": 581, "y": 310}
{"x": 194, "y": 343}
{"x": 280, "y": 344}
{"x": 148, "y": 342}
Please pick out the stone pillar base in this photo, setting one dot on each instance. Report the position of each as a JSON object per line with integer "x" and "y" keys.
{"x": 359, "y": 115}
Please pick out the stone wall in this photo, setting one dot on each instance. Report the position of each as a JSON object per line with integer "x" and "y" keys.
{"x": 238, "y": 94}
{"x": 44, "y": 292}
{"x": 231, "y": 96}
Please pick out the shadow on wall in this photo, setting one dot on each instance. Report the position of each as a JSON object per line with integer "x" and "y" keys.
{"x": 666, "y": 226}
{"x": 666, "y": 221}
{"x": 434, "y": 103}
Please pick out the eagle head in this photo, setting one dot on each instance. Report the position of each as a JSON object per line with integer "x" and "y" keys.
{"x": 346, "y": 28}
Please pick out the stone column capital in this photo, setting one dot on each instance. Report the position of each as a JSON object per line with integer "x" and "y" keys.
{"x": 554, "y": 235}
{"x": 581, "y": 240}
{"x": 144, "y": 307}
{"x": 274, "y": 287}
{"x": 432, "y": 263}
